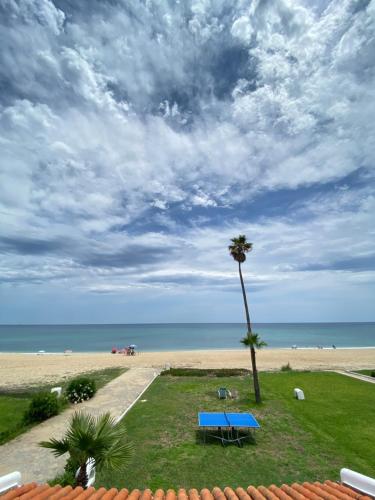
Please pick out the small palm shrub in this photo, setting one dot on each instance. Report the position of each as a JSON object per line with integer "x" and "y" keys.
{"x": 286, "y": 368}
{"x": 101, "y": 439}
{"x": 42, "y": 406}
{"x": 80, "y": 389}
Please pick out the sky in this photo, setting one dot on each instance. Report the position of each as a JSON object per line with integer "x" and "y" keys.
{"x": 138, "y": 137}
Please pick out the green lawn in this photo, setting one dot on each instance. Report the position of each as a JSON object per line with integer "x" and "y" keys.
{"x": 299, "y": 440}
{"x": 14, "y": 404}
{"x": 12, "y": 408}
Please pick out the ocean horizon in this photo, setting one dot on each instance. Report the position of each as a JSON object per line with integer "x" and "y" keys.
{"x": 151, "y": 337}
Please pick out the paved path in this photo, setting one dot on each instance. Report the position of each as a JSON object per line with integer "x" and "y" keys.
{"x": 359, "y": 376}
{"x": 38, "y": 464}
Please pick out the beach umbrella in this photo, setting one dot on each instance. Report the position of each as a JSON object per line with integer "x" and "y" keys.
{"x": 133, "y": 346}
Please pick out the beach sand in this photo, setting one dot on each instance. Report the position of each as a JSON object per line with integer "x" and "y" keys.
{"x": 18, "y": 370}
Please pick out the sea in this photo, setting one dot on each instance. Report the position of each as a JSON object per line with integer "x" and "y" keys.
{"x": 181, "y": 336}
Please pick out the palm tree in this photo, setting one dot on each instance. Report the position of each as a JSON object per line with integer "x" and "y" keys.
{"x": 100, "y": 439}
{"x": 238, "y": 250}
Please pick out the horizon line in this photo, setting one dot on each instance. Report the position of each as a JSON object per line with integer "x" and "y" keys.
{"x": 194, "y": 323}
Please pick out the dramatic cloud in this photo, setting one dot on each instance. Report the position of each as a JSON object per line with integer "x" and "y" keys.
{"x": 136, "y": 139}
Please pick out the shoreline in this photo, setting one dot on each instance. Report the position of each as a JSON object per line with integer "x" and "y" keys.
{"x": 216, "y": 349}
{"x": 19, "y": 370}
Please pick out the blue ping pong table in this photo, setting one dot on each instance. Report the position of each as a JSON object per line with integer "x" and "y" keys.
{"x": 228, "y": 426}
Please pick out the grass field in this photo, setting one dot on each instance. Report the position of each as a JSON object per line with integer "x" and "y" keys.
{"x": 299, "y": 440}
{"x": 12, "y": 408}
{"x": 14, "y": 404}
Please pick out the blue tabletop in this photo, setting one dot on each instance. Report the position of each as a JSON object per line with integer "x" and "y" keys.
{"x": 223, "y": 419}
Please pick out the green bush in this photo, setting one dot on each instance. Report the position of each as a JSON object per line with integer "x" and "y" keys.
{"x": 198, "y": 372}
{"x": 67, "y": 478}
{"x": 42, "y": 406}
{"x": 373, "y": 373}
{"x": 286, "y": 368}
{"x": 80, "y": 389}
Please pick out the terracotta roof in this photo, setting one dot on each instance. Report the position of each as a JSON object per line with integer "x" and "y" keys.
{"x": 309, "y": 491}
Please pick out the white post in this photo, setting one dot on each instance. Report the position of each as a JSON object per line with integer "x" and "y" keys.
{"x": 358, "y": 481}
{"x": 10, "y": 481}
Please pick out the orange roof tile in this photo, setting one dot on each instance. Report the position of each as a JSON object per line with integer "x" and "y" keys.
{"x": 305, "y": 491}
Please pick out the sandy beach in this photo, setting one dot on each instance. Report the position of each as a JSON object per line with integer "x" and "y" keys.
{"x": 17, "y": 370}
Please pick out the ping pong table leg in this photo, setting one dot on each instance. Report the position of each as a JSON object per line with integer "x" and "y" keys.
{"x": 236, "y": 435}
{"x": 220, "y": 429}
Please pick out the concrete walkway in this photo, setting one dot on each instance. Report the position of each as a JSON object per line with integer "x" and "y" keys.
{"x": 39, "y": 464}
{"x": 359, "y": 376}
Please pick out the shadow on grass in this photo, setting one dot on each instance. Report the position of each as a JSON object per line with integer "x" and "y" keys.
{"x": 221, "y": 438}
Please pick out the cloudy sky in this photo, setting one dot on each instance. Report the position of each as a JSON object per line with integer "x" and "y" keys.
{"x": 138, "y": 137}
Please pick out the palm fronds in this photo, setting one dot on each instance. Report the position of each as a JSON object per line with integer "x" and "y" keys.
{"x": 253, "y": 340}
{"x": 239, "y": 248}
{"x": 58, "y": 447}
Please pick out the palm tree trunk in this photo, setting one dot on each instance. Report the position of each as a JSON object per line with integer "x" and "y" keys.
{"x": 82, "y": 479}
{"x": 245, "y": 300}
{"x": 258, "y": 398}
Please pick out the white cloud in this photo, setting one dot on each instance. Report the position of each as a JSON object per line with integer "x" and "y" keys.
{"x": 41, "y": 11}
{"x": 299, "y": 119}
{"x": 242, "y": 29}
